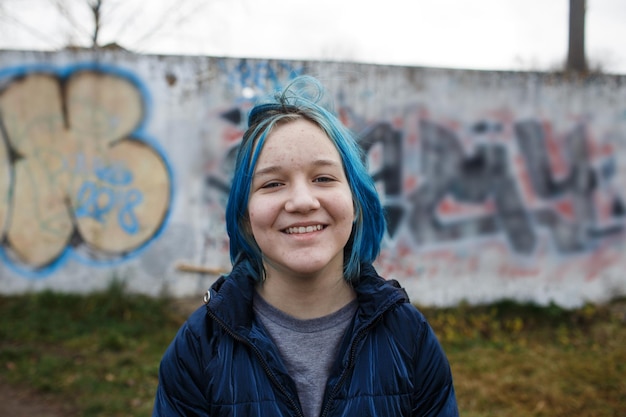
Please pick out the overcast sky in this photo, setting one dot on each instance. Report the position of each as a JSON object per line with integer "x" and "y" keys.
{"x": 475, "y": 34}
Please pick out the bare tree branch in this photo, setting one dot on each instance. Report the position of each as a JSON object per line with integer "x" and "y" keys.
{"x": 87, "y": 22}
{"x": 96, "y": 9}
{"x": 30, "y": 29}
{"x": 129, "y": 16}
{"x": 167, "y": 16}
{"x": 67, "y": 13}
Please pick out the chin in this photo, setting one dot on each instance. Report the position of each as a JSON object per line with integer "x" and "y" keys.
{"x": 312, "y": 269}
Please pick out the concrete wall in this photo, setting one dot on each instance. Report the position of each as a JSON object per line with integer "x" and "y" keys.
{"x": 498, "y": 185}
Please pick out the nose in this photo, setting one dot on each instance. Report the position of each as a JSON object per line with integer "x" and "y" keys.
{"x": 301, "y": 198}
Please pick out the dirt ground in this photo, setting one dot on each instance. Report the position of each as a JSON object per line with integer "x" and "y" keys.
{"x": 22, "y": 402}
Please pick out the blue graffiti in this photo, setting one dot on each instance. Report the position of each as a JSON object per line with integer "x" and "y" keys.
{"x": 98, "y": 201}
{"x": 260, "y": 75}
{"x": 126, "y": 216}
{"x": 114, "y": 174}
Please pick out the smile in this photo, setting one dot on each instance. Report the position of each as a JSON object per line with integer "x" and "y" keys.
{"x": 303, "y": 229}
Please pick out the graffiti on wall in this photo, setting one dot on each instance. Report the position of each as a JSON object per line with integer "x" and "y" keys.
{"x": 79, "y": 175}
{"x": 577, "y": 208}
{"x": 519, "y": 183}
{"x": 515, "y": 195}
{"x": 251, "y": 77}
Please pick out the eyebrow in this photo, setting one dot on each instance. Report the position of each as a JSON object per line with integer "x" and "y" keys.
{"x": 317, "y": 163}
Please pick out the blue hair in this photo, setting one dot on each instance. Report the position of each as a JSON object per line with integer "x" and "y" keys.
{"x": 302, "y": 99}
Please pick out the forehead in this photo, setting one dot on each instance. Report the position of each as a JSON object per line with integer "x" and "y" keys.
{"x": 296, "y": 139}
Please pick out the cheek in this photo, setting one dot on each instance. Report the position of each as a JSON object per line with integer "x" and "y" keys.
{"x": 253, "y": 221}
{"x": 353, "y": 209}
{"x": 345, "y": 210}
{"x": 259, "y": 214}
{"x": 350, "y": 206}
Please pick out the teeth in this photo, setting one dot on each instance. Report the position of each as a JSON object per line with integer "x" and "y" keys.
{"x": 302, "y": 229}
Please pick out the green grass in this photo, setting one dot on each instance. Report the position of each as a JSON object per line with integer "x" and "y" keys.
{"x": 515, "y": 360}
{"x": 99, "y": 354}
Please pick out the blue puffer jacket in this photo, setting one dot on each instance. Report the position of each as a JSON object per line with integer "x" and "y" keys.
{"x": 223, "y": 363}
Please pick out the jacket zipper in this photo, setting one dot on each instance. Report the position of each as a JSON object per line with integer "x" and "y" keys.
{"x": 351, "y": 360}
{"x": 264, "y": 364}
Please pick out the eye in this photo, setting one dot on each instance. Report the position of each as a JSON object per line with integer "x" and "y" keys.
{"x": 272, "y": 184}
{"x": 324, "y": 179}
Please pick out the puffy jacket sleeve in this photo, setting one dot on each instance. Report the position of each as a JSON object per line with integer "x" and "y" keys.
{"x": 435, "y": 395}
{"x": 181, "y": 375}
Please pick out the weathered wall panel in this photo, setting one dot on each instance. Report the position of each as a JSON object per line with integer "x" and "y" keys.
{"x": 497, "y": 185}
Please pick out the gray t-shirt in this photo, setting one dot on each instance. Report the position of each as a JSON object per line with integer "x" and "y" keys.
{"x": 308, "y": 347}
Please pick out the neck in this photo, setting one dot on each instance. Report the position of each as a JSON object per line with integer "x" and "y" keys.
{"x": 306, "y": 297}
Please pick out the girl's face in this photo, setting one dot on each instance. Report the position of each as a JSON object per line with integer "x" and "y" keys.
{"x": 300, "y": 207}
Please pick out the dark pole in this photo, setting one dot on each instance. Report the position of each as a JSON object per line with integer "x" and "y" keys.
{"x": 576, "y": 60}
